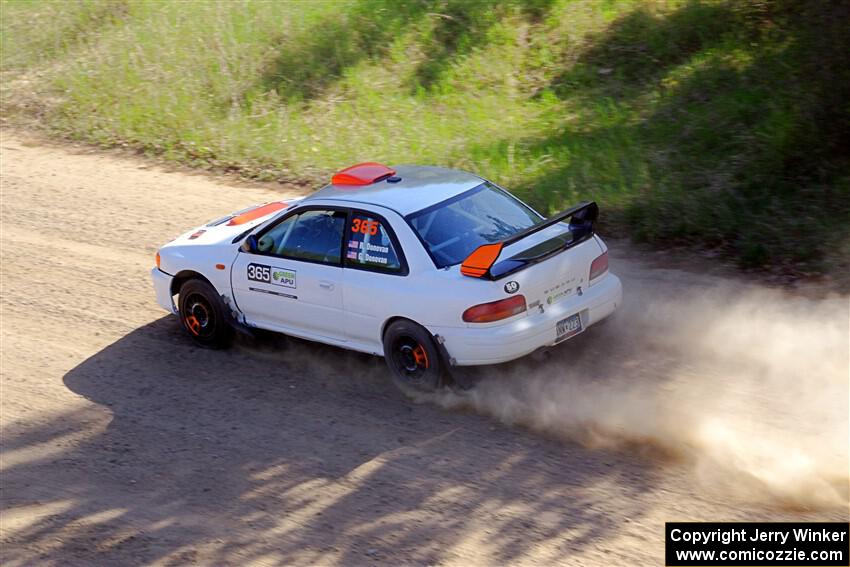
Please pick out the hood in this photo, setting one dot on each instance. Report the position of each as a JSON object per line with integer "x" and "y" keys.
{"x": 225, "y": 229}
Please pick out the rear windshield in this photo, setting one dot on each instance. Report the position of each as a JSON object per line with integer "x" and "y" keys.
{"x": 451, "y": 230}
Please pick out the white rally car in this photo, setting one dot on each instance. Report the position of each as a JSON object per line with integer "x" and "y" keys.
{"x": 428, "y": 267}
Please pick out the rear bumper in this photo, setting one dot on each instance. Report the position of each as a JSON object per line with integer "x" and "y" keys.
{"x": 490, "y": 345}
{"x": 162, "y": 287}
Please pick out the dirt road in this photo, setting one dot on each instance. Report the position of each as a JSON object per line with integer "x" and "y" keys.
{"x": 123, "y": 444}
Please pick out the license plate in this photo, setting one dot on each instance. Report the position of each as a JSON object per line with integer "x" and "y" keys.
{"x": 568, "y": 327}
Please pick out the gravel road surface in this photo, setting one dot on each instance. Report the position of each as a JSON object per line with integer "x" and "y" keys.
{"x": 123, "y": 444}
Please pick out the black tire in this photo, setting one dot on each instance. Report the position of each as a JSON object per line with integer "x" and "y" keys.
{"x": 412, "y": 356}
{"x": 203, "y": 315}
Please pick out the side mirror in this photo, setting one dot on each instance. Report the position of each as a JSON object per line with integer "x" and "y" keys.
{"x": 250, "y": 243}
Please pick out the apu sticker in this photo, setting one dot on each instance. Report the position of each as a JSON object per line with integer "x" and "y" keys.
{"x": 560, "y": 291}
{"x": 271, "y": 275}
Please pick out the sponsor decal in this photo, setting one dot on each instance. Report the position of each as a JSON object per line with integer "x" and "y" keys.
{"x": 270, "y": 292}
{"x": 558, "y": 296}
{"x": 511, "y": 287}
{"x": 559, "y": 291}
{"x": 283, "y": 277}
{"x": 272, "y": 275}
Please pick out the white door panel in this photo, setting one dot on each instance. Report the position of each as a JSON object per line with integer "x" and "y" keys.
{"x": 293, "y": 282}
{"x": 369, "y": 298}
{"x": 374, "y": 276}
{"x": 276, "y": 292}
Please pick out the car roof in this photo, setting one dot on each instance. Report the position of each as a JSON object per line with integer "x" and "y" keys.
{"x": 420, "y": 187}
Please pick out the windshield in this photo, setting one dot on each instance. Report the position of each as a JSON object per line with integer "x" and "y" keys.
{"x": 451, "y": 230}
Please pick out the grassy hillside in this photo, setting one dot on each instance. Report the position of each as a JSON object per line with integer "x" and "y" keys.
{"x": 723, "y": 124}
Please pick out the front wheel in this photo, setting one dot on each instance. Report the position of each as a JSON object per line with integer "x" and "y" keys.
{"x": 203, "y": 316}
{"x": 412, "y": 356}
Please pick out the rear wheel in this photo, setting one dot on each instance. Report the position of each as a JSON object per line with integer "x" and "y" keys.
{"x": 203, "y": 316}
{"x": 412, "y": 356}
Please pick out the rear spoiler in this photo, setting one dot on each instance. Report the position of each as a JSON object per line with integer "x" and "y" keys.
{"x": 480, "y": 264}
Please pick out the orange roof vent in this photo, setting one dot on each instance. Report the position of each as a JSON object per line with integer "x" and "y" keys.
{"x": 362, "y": 174}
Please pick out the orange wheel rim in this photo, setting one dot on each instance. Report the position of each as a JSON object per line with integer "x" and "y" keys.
{"x": 193, "y": 325}
{"x": 420, "y": 356}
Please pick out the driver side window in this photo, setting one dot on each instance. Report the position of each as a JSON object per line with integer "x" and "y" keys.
{"x": 314, "y": 235}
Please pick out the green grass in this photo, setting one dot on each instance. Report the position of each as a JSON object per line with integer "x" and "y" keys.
{"x": 720, "y": 124}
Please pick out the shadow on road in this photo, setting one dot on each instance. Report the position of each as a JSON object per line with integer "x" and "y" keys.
{"x": 290, "y": 452}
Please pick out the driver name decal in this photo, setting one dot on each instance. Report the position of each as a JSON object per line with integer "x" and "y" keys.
{"x": 272, "y": 275}
{"x": 360, "y": 251}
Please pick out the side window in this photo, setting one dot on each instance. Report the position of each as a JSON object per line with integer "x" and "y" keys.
{"x": 368, "y": 245}
{"x": 312, "y": 235}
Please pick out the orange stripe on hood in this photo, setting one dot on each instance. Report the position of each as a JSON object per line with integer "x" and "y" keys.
{"x": 257, "y": 212}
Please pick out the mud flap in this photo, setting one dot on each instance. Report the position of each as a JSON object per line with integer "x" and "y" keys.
{"x": 233, "y": 322}
{"x": 456, "y": 375}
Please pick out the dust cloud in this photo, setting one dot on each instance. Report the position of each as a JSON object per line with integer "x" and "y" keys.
{"x": 749, "y": 386}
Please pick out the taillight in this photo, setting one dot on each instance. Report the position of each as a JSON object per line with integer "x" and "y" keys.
{"x": 599, "y": 266}
{"x": 495, "y": 310}
{"x": 157, "y": 260}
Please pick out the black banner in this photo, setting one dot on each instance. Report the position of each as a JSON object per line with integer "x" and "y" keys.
{"x": 762, "y": 544}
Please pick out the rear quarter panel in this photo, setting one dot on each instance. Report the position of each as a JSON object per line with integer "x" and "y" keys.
{"x": 436, "y": 298}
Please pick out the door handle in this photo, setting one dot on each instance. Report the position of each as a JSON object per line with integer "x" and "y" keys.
{"x": 325, "y": 284}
